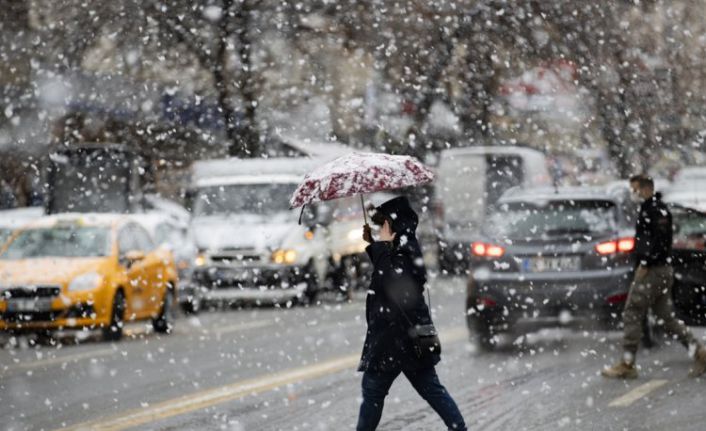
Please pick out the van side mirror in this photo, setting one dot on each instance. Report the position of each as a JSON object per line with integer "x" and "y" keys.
{"x": 324, "y": 215}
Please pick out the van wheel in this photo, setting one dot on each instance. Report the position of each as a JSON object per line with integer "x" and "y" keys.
{"x": 114, "y": 331}
{"x": 191, "y": 306}
{"x": 164, "y": 322}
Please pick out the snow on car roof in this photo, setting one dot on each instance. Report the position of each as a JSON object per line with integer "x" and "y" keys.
{"x": 544, "y": 194}
{"x": 315, "y": 148}
{"x": 236, "y": 167}
{"x": 87, "y": 219}
{"x": 249, "y": 179}
{"x": 16, "y": 217}
{"x": 691, "y": 173}
{"x": 490, "y": 149}
{"x": 151, "y": 220}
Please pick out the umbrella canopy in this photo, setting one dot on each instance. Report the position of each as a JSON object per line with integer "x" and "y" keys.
{"x": 358, "y": 173}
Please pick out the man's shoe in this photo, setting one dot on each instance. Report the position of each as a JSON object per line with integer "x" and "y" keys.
{"x": 621, "y": 370}
{"x": 699, "y": 366}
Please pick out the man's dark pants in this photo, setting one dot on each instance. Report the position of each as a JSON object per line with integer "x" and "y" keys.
{"x": 425, "y": 382}
{"x": 652, "y": 290}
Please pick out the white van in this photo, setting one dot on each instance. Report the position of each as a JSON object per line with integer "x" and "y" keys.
{"x": 250, "y": 244}
{"x": 470, "y": 181}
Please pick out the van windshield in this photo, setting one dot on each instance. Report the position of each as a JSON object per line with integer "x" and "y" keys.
{"x": 259, "y": 199}
{"x": 553, "y": 221}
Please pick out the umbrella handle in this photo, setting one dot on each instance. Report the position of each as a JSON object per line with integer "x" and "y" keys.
{"x": 362, "y": 204}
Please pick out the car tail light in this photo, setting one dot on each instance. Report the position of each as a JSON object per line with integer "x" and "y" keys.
{"x": 622, "y": 245}
{"x": 608, "y": 247}
{"x": 617, "y": 299}
{"x": 486, "y": 302}
{"x": 487, "y": 250}
{"x": 626, "y": 245}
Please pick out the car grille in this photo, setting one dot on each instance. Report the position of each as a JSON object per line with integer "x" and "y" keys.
{"x": 31, "y": 292}
{"x": 226, "y": 279}
{"x": 236, "y": 255}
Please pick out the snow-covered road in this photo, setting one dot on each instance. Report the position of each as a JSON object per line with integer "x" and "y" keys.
{"x": 274, "y": 369}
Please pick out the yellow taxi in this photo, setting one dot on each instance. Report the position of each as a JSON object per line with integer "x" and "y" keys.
{"x": 75, "y": 271}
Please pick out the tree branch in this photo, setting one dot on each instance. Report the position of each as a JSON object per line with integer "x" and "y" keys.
{"x": 182, "y": 35}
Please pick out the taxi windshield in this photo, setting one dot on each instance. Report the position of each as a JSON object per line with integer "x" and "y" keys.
{"x": 64, "y": 241}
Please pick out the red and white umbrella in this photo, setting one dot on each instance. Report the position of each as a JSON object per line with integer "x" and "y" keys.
{"x": 358, "y": 173}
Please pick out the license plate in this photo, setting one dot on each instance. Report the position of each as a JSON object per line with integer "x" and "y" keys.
{"x": 18, "y": 305}
{"x": 552, "y": 264}
{"x": 232, "y": 275}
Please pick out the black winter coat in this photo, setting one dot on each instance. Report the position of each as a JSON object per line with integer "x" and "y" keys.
{"x": 653, "y": 233}
{"x": 395, "y": 299}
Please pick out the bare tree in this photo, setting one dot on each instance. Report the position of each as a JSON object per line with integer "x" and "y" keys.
{"x": 211, "y": 33}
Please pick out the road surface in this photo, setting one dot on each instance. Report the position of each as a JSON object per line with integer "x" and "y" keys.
{"x": 294, "y": 369}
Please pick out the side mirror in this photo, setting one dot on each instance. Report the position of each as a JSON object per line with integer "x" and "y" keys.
{"x": 131, "y": 257}
{"x": 324, "y": 215}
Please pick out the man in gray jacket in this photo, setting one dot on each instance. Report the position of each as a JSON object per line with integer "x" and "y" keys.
{"x": 652, "y": 283}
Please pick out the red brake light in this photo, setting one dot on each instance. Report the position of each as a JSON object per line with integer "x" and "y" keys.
{"x": 478, "y": 248}
{"x": 487, "y": 250}
{"x": 494, "y": 251}
{"x": 622, "y": 245}
{"x": 608, "y": 247}
{"x": 626, "y": 244}
{"x": 616, "y": 299}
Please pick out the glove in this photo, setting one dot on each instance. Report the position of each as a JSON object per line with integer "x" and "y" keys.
{"x": 367, "y": 234}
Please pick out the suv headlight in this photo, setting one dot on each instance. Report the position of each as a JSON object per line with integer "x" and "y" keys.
{"x": 89, "y": 281}
{"x": 287, "y": 256}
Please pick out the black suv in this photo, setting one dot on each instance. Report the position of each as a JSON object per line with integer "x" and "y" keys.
{"x": 550, "y": 257}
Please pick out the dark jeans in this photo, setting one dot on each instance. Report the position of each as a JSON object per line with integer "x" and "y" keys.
{"x": 426, "y": 383}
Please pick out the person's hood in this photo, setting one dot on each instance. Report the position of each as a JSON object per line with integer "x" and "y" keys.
{"x": 404, "y": 225}
{"x": 222, "y": 233}
{"x": 404, "y": 219}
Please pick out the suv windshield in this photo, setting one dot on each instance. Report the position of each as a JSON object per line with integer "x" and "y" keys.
{"x": 261, "y": 199}
{"x": 59, "y": 242}
{"x": 527, "y": 220}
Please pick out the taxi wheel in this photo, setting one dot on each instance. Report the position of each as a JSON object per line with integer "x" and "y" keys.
{"x": 114, "y": 331}
{"x": 164, "y": 322}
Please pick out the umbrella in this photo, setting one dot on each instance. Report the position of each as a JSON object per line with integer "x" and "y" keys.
{"x": 358, "y": 173}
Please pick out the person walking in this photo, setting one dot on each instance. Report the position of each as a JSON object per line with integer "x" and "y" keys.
{"x": 395, "y": 306}
{"x": 652, "y": 283}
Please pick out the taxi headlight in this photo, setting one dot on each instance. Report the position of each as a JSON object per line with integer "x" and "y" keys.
{"x": 89, "y": 281}
{"x": 200, "y": 260}
{"x": 286, "y": 256}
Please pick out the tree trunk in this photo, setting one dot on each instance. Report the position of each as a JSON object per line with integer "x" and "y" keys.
{"x": 247, "y": 142}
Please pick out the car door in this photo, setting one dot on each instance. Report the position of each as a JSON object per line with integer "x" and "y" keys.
{"x": 152, "y": 265}
{"x": 689, "y": 262}
{"x": 135, "y": 273}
